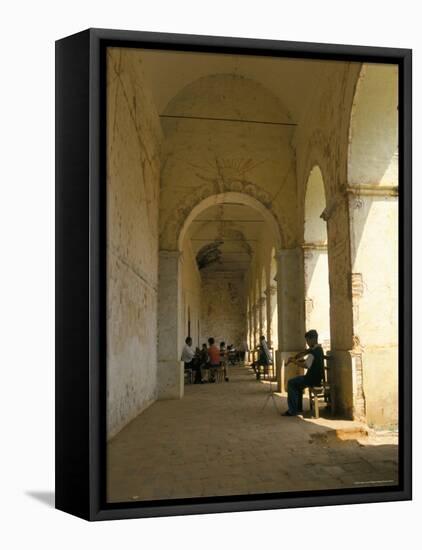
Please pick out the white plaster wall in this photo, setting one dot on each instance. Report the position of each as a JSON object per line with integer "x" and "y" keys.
{"x": 133, "y": 139}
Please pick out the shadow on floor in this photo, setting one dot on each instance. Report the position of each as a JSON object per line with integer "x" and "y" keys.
{"x": 45, "y": 497}
{"x": 229, "y": 439}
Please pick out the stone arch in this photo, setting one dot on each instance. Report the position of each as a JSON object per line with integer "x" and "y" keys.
{"x": 373, "y": 128}
{"x": 315, "y": 258}
{"x": 229, "y": 198}
{"x": 315, "y": 229}
{"x": 203, "y": 156}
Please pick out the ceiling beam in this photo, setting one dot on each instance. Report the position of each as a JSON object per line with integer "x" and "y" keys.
{"x": 289, "y": 124}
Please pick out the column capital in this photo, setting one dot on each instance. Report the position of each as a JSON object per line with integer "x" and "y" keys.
{"x": 315, "y": 246}
{"x": 271, "y": 290}
{"x": 370, "y": 190}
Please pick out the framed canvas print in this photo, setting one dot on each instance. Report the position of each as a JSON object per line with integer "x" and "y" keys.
{"x": 233, "y": 274}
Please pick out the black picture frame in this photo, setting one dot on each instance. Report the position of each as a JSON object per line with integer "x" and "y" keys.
{"x": 80, "y": 273}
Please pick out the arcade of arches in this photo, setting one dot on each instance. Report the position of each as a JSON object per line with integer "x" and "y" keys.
{"x": 251, "y": 196}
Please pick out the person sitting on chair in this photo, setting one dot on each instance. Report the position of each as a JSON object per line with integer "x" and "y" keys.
{"x": 203, "y": 358}
{"x": 190, "y": 359}
{"x": 214, "y": 355}
{"x": 264, "y": 357}
{"x": 314, "y": 363}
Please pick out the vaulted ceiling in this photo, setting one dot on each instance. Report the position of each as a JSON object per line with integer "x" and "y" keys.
{"x": 224, "y": 237}
{"x": 293, "y": 81}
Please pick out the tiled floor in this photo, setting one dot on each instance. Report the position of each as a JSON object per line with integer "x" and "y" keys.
{"x": 229, "y": 438}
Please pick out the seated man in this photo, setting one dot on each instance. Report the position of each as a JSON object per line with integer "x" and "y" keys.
{"x": 264, "y": 357}
{"x": 190, "y": 359}
{"x": 203, "y": 358}
{"x": 314, "y": 363}
{"x": 214, "y": 355}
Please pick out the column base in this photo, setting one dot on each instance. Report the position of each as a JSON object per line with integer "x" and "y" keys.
{"x": 170, "y": 380}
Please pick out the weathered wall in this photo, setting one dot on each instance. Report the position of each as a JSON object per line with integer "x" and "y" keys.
{"x": 223, "y": 308}
{"x": 133, "y": 169}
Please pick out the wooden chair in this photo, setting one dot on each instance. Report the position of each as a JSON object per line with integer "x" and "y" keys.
{"x": 321, "y": 392}
{"x": 219, "y": 374}
{"x": 189, "y": 375}
{"x": 267, "y": 370}
{"x": 215, "y": 373}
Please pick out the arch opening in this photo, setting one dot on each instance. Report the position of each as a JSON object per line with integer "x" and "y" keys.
{"x": 315, "y": 254}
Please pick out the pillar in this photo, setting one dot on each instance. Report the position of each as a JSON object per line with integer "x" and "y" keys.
{"x": 346, "y": 392}
{"x": 170, "y": 337}
{"x": 272, "y": 330}
{"x": 262, "y": 316}
{"x": 373, "y": 216}
{"x": 290, "y": 309}
{"x": 255, "y": 310}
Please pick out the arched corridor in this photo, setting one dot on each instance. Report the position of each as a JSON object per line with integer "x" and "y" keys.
{"x": 246, "y": 197}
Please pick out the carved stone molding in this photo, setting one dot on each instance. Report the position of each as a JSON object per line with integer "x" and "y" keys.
{"x": 315, "y": 246}
{"x": 357, "y": 285}
{"x": 371, "y": 190}
{"x": 271, "y": 290}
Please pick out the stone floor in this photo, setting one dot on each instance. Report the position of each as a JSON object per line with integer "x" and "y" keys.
{"x": 229, "y": 439}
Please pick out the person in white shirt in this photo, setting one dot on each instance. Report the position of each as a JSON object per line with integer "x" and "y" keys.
{"x": 190, "y": 360}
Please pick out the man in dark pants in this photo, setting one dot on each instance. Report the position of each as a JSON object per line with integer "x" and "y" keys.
{"x": 314, "y": 363}
{"x": 190, "y": 359}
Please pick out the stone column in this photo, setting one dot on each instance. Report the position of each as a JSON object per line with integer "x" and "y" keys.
{"x": 250, "y": 332}
{"x": 271, "y": 300}
{"x": 262, "y": 316}
{"x": 255, "y": 310}
{"x": 170, "y": 367}
{"x": 290, "y": 306}
{"x": 341, "y": 321}
{"x": 373, "y": 218}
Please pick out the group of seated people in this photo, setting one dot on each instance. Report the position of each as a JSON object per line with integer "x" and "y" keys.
{"x": 209, "y": 358}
